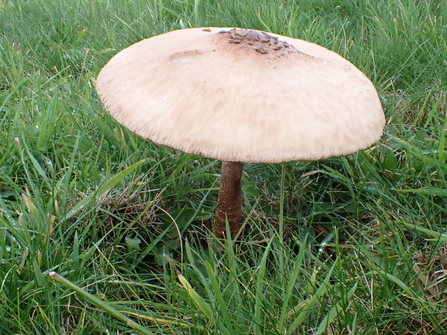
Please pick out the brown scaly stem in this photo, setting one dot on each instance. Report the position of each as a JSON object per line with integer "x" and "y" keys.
{"x": 229, "y": 201}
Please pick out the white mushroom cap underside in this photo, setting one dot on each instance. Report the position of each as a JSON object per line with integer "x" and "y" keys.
{"x": 194, "y": 91}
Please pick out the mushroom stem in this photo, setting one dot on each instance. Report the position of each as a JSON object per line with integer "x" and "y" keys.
{"x": 229, "y": 201}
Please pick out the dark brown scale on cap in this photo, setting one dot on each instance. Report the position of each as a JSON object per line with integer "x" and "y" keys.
{"x": 258, "y": 41}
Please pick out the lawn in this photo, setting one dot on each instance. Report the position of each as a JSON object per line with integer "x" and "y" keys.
{"x": 350, "y": 245}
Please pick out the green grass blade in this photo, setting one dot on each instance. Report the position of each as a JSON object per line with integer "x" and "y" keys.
{"x": 291, "y": 284}
{"x": 260, "y": 281}
{"x": 13, "y": 92}
{"x": 220, "y": 300}
{"x": 425, "y": 190}
{"x": 101, "y": 304}
{"x": 442, "y": 237}
{"x": 196, "y": 298}
{"x": 333, "y": 312}
{"x": 108, "y": 185}
{"x": 308, "y": 305}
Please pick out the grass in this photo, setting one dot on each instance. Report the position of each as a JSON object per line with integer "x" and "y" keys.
{"x": 126, "y": 221}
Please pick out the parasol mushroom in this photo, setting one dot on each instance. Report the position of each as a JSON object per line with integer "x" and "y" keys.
{"x": 241, "y": 96}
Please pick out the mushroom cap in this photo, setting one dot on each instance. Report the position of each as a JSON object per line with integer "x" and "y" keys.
{"x": 242, "y": 95}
